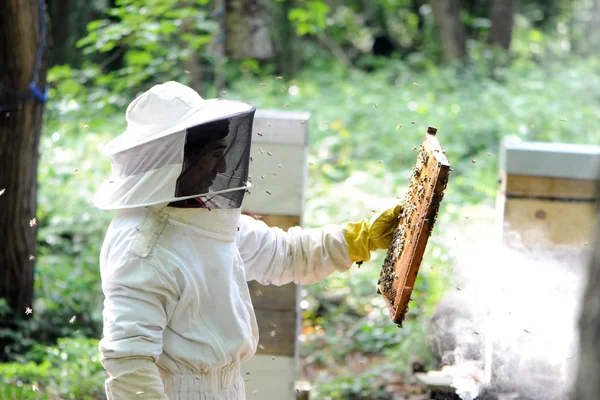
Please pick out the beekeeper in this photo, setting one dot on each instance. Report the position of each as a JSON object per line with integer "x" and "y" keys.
{"x": 178, "y": 319}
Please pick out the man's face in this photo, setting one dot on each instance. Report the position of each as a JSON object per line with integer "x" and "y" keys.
{"x": 200, "y": 170}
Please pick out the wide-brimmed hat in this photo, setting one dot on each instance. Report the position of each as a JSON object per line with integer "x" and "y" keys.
{"x": 148, "y": 158}
{"x": 166, "y": 109}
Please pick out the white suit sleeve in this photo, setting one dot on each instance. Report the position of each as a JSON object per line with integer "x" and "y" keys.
{"x": 302, "y": 256}
{"x": 138, "y": 302}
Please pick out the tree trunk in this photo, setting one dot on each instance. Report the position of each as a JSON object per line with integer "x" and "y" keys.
{"x": 247, "y": 29}
{"x": 502, "y": 15}
{"x": 67, "y": 23}
{"x": 587, "y": 386}
{"x": 60, "y": 37}
{"x": 20, "y": 126}
{"x": 592, "y": 34}
{"x": 283, "y": 34}
{"x": 450, "y": 28}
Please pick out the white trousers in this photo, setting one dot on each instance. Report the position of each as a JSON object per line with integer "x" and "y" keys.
{"x": 219, "y": 384}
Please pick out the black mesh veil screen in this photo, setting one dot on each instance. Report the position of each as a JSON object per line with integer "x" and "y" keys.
{"x": 216, "y": 161}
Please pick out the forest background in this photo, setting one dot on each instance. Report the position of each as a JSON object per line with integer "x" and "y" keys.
{"x": 373, "y": 73}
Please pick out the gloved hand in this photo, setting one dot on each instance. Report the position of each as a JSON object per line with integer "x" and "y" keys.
{"x": 366, "y": 236}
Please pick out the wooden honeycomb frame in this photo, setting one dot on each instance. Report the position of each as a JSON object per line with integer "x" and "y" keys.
{"x": 426, "y": 190}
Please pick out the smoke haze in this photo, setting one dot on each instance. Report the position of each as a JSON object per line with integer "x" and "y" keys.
{"x": 515, "y": 310}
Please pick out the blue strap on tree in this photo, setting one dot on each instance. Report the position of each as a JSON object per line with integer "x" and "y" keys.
{"x": 34, "y": 91}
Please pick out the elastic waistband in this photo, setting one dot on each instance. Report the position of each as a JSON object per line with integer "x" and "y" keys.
{"x": 208, "y": 380}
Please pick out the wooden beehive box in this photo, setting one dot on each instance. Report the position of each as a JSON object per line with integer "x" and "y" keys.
{"x": 278, "y": 173}
{"x": 548, "y": 193}
{"x": 426, "y": 190}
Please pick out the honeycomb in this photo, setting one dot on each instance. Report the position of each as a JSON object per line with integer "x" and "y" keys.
{"x": 420, "y": 208}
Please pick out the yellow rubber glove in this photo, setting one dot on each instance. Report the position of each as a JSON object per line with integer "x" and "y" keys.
{"x": 366, "y": 236}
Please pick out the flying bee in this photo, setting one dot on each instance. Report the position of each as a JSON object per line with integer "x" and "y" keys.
{"x": 260, "y": 150}
{"x": 269, "y": 153}
{"x": 283, "y": 89}
{"x": 269, "y": 193}
{"x": 262, "y": 84}
{"x": 279, "y": 78}
{"x": 259, "y": 133}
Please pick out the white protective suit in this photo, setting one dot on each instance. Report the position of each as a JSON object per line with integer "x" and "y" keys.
{"x": 178, "y": 319}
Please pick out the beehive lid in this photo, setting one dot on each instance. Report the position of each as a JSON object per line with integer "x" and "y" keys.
{"x": 556, "y": 160}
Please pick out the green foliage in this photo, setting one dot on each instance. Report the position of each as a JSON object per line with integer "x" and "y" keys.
{"x": 309, "y": 19}
{"x": 69, "y": 370}
{"x": 14, "y": 333}
{"x": 71, "y": 229}
{"x": 358, "y": 117}
{"x": 155, "y": 37}
{"x": 370, "y": 386}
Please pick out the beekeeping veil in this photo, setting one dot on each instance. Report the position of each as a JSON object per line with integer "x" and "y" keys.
{"x": 179, "y": 146}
